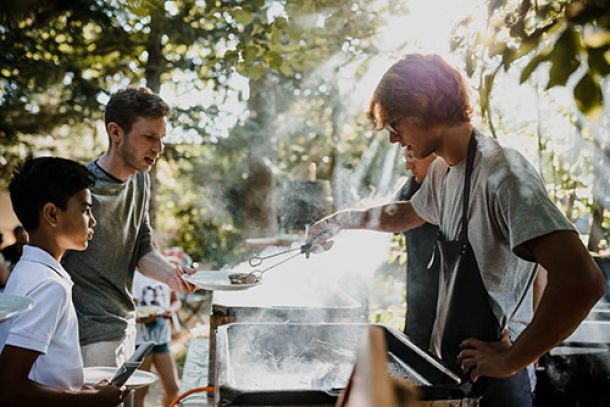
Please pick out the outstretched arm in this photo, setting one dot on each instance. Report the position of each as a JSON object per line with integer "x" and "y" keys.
{"x": 575, "y": 284}
{"x": 393, "y": 217}
{"x": 15, "y": 366}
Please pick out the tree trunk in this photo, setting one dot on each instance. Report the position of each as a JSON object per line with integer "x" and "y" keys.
{"x": 260, "y": 210}
{"x": 153, "y": 70}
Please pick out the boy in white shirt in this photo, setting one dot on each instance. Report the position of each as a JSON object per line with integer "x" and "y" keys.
{"x": 41, "y": 363}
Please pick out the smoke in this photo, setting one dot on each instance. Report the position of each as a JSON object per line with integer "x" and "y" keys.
{"x": 326, "y": 281}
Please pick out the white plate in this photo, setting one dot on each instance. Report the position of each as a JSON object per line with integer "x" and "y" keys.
{"x": 139, "y": 378}
{"x": 144, "y": 311}
{"x": 13, "y": 305}
{"x": 216, "y": 280}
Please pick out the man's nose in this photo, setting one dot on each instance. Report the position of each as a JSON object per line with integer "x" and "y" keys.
{"x": 394, "y": 138}
{"x": 158, "y": 147}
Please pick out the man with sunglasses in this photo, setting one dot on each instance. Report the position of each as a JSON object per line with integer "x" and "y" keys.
{"x": 496, "y": 223}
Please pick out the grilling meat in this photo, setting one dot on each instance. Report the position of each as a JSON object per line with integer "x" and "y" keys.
{"x": 243, "y": 278}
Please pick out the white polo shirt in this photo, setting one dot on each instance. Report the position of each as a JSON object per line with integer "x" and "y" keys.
{"x": 51, "y": 327}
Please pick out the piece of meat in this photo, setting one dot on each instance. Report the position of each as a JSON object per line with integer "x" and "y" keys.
{"x": 243, "y": 278}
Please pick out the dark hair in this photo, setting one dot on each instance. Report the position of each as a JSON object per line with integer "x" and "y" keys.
{"x": 18, "y": 230}
{"x": 128, "y": 104}
{"x": 424, "y": 88}
{"x": 47, "y": 179}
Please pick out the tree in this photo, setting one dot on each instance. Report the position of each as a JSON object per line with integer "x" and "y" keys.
{"x": 566, "y": 34}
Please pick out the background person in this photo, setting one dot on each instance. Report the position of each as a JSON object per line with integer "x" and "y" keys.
{"x": 40, "y": 363}
{"x": 4, "y": 267}
{"x": 135, "y": 121}
{"x": 12, "y": 252}
{"x": 422, "y": 264}
{"x": 157, "y": 328}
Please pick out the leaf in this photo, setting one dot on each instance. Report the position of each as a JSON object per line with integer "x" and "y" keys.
{"x": 497, "y": 48}
{"x": 588, "y": 96}
{"x": 510, "y": 55}
{"x": 258, "y": 3}
{"x": 485, "y": 91}
{"x": 596, "y": 39}
{"x": 470, "y": 64}
{"x": 274, "y": 60}
{"x": 242, "y": 16}
{"x": 532, "y": 65}
{"x": 563, "y": 57}
{"x": 250, "y": 53}
{"x": 286, "y": 70}
{"x": 231, "y": 56}
{"x": 256, "y": 71}
{"x": 598, "y": 61}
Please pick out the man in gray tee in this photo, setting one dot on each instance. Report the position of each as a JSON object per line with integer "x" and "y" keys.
{"x": 496, "y": 222}
{"x": 135, "y": 122}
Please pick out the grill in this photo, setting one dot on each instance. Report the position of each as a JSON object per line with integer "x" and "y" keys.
{"x": 267, "y": 304}
{"x": 309, "y": 364}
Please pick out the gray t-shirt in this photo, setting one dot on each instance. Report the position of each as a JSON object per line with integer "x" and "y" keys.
{"x": 103, "y": 273}
{"x": 509, "y": 206}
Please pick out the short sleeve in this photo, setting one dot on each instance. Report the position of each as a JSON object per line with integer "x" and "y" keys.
{"x": 145, "y": 230}
{"x": 426, "y": 201}
{"x": 524, "y": 211}
{"x": 35, "y": 329}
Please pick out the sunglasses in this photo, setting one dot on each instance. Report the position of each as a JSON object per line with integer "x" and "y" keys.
{"x": 391, "y": 128}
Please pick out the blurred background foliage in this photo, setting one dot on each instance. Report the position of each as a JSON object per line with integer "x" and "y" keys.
{"x": 262, "y": 89}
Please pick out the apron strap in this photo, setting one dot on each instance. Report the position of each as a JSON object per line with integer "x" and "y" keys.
{"x": 472, "y": 147}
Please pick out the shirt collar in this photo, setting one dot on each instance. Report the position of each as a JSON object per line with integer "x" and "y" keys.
{"x": 37, "y": 255}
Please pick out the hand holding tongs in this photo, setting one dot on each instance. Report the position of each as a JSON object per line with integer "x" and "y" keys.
{"x": 256, "y": 261}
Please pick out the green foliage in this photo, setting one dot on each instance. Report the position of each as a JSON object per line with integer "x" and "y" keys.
{"x": 62, "y": 59}
{"x": 566, "y": 34}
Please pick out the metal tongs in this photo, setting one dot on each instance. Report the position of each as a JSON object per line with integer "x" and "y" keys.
{"x": 256, "y": 261}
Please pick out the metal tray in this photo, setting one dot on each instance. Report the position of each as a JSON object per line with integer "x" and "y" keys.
{"x": 253, "y": 366}
{"x": 260, "y": 305}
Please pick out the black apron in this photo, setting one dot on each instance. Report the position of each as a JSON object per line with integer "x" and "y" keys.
{"x": 464, "y": 311}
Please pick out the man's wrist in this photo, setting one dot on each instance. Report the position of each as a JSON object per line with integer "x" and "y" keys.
{"x": 512, "y": 361}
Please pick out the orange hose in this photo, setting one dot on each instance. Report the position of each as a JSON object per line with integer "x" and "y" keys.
{"x": 188, "y": 393}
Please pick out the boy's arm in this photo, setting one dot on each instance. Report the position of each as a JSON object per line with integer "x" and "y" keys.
{"x": 15, "y": 366}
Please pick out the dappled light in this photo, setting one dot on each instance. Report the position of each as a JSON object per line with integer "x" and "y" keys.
{"x": 269, "y": 133}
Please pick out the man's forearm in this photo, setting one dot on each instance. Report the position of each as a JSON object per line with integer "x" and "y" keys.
{"x": 155, "y": 266}
{"x": 575, "y": 284}
{"x": 394, "y": 217}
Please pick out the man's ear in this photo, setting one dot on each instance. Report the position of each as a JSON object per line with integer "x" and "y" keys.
{"x": 49, "y": 214}
{"x": 115, "y": 132}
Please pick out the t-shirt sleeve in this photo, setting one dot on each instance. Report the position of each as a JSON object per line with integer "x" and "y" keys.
{"x": 524, "y": 211}
{"x": 425, "y": 201}
{"x": 34, "y": 329}
{"x": 145, "y": 232}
